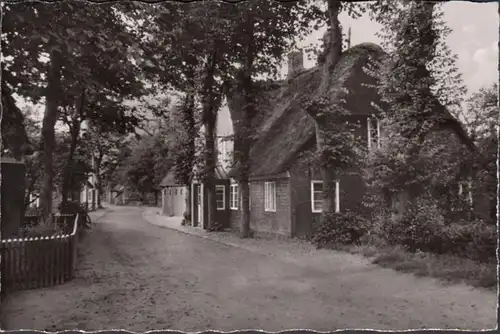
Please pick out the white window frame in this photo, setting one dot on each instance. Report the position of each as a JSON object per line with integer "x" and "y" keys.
{"x": 234, "y": 196}
{"x": 337, "y": 196}
{"x": 269, "y": 200}
{"x": 369, "y": 128}
{"x": 223, "y": 188}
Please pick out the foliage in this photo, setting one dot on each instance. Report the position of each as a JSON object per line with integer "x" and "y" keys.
{"x": 422, "y": 227}
{"x": 419, "y": 156}
{"x": 148, "y": 162}
{"x": 341, "y": 228}
{"x": 59, "y": 60}
{"x": 482, "y": 112}
{"x": 44, "y": 229}
{"x": 80, "y": 166}
{"x": 184, "y": 126}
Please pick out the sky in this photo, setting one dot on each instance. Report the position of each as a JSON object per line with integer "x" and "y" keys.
{"x": 474, "y": 39}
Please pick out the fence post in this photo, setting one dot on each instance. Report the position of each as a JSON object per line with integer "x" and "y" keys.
{"x": 74, "y": 247}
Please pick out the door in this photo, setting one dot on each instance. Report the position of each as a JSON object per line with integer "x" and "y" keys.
{"x": 200, "y": 205}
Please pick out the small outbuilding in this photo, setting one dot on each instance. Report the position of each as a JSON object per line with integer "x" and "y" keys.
{"x": 173, "y": 196}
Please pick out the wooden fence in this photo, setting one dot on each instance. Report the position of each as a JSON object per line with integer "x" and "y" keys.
{"x": 31, "y": 263}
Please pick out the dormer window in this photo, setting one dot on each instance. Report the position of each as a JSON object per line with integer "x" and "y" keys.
{"x": 373, "y": 128}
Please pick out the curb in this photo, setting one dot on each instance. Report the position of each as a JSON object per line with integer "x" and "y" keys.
{"x": 152, "y": 215}
{"x": 100, "y": 215}
{"x": 208, "y": 237}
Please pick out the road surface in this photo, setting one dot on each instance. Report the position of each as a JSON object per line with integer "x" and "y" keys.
{"x": 139, "y": 277}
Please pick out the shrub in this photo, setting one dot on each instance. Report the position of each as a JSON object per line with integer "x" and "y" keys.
{"x": 341, "y": 228}
{"x": 417, "y": 228}
{"x": 475, "y": 240}
{"x": 44, "y": 229}
{"x": 74, "y": 208}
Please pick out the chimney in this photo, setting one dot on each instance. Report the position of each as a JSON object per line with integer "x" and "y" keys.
{"x": 295, "y": 63}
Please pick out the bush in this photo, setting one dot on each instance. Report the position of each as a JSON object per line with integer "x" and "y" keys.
{"x": 422, "y": 227}
{"x": 44, "y": 229}
{"x": 72, "y": 208}
{"x": 341, "y": 228}
{"x": 417, "y": 228}
{"x": 475, "y": 240}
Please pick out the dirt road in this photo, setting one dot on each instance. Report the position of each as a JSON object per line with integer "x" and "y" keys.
{"x": 139, "y": 277}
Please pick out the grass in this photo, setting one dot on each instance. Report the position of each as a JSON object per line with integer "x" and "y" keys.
{"x": 448, "y": 268}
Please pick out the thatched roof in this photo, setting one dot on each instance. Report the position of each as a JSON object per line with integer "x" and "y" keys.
{"x": 14, "y": 135}
{"x": 282, "y": 128}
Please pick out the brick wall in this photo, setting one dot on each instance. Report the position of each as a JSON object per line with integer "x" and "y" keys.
{"x": 278, "y": 222}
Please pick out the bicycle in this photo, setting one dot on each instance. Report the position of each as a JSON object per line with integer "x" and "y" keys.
{"x": 87, "y": 221}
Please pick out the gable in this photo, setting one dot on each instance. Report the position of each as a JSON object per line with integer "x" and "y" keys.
{"x": 282, "y": 128}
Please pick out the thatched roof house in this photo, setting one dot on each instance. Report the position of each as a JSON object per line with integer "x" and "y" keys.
{"x": 285, "y": 194}
{"x": 282, "y": 128}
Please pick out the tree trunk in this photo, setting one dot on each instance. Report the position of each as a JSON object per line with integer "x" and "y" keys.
{"x": 333, "y": 50}
{"x": 189, "y": 123}
{"x": 98, "y": 187}
{"x": 245, "y": 129}
{"x": 75, "y": 132}
{"x": 68, "y": 169}
{"x": 209, "y": 120}
{"x": 187, "y": 213}
{"x": 209, "y": 186}
{"x": 48, "y": 133}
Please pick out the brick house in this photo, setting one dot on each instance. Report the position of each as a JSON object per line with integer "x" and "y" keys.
{"x": 285, "y": 191}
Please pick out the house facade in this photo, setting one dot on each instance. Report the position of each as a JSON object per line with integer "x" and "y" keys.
{"x": 173, "y": 196}
{"x": 285, "y": 188}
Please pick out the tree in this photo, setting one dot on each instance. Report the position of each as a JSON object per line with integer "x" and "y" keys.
{"x": 262, "y": 32}
{"x": 184, "y": 127}
{"x": 334, "y": 142}
{"x": 90, "y": 52}
{"x": 419, "y": 85}
{"x": 146, "y": 165}
{"x": 102, "y": 146}
{"x": 33, "y": 162}
{"x": 482, "y": 123}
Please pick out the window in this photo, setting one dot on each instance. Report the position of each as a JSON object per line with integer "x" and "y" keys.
{"x": 233, "y": 196}
{"x": 220, "y": 197}
{"x": 373, "y": 133}
{"x": 465, "y": 191}
{"x": 270, "y": 196}
{"x": 317, "y": 196}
